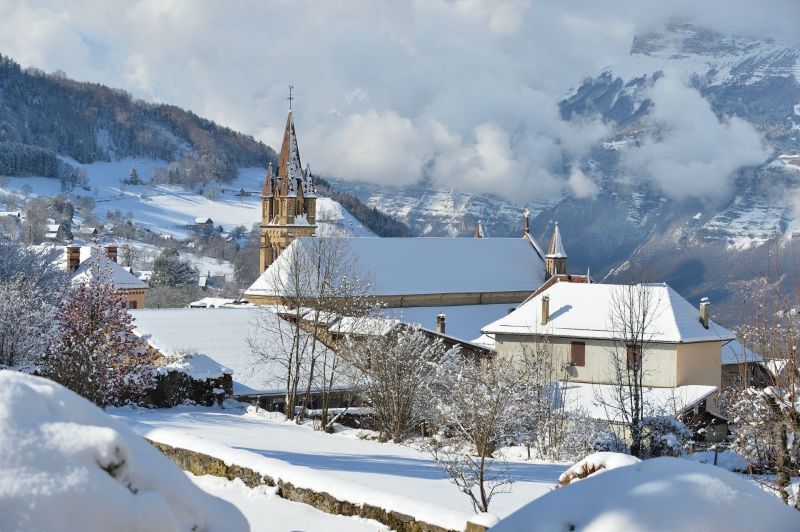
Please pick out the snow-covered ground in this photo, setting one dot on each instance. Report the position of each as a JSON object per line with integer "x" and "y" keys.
{"x": 266, "y": 512}
{"x": 362, "y": 471}
{"x": 167, "y": 209}
{"x": 66, "y": 465}
{"x": 147, "y": 253}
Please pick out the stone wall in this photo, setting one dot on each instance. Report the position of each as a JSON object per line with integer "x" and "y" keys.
{"x": 203, "y": 464}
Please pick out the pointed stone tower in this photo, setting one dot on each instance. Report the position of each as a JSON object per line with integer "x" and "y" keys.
{"x": 288, "y": 202}
{"x": 555, "y": 261}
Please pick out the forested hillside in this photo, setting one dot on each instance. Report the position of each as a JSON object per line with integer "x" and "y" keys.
{"x": 44, "y": 115}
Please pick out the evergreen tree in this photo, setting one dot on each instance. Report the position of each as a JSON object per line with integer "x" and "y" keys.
{"x": 94, "y": 351}
{"x": 170, "y": 270}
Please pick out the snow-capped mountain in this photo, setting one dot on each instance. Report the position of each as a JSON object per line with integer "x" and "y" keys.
{"x": 704, "y": 246}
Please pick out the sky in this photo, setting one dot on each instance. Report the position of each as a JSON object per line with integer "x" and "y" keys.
{"x": 461, "y": 92}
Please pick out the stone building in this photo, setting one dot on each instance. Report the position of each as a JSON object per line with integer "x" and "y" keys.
{"x": 288, "y": 203}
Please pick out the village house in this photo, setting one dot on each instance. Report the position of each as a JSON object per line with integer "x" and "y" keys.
{"x": 76, "y": 262}
{"x": 680, "y": 347}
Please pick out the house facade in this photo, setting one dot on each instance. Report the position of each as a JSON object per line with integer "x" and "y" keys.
{"x": 679, "y": 348}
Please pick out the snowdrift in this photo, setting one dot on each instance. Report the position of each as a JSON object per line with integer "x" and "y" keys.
{"x": 66, "y": 465}
{"x": 662, "y": 494}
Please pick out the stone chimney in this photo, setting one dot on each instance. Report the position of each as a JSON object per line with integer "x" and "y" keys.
{"x": 111, "y": 251}
{"x": 73, "y": 257}
{"x": 704, "y": 303}
{"x": 545, "y": 309}
{"x": 440, "y": 323}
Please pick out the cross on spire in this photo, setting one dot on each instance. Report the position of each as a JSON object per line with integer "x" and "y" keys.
{"x": 290, "y": 98}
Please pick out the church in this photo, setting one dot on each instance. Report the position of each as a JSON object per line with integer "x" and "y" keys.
{"x": 471, "y": 281}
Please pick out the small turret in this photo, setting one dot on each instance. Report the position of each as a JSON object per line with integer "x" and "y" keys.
{"x": 479, "y": 231}
{"x": 555, "y": 260}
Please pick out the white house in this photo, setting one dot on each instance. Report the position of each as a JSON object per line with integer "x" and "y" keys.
{"x": 680, "y": 353}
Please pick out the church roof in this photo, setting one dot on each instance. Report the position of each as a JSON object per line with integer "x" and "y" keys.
{"x": 406, "y": 266}
{"x": 556, "y": 249}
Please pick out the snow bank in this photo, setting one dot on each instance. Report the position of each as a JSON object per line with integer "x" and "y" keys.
{"x": 66, "y": 465}
{"x": 595, "y": 463}
{"x": 669, "y": 494}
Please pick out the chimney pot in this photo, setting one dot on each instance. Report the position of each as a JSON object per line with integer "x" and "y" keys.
{"x": 545, "y": 309}
{"x": 704, "y": 304}
{"x": 111, "y": 251}
{"x": 440, "y": 323}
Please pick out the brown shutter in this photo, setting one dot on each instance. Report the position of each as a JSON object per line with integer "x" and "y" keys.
{"x": 634, "y": 356}
{"x": 578, "y": 354}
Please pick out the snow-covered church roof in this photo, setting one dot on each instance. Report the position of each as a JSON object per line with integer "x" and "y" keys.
{"x": 579, "y": 310}
{"x": 412, "y": 266}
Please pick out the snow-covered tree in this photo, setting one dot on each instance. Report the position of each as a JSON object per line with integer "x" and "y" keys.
{"x": 398, "y": 371}
{"x": 169, "y": 269}
{"x": 26, "y": 322}
{"x": 477, "y": 407}
{"x": 94, "y": 351}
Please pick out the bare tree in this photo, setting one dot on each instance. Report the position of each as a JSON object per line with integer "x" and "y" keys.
{"x": 398, "y": 370}
{"x": 634, "y": 308}
{"x": 319, "y": 281}
{"x": 477, "y": 406}
{"x": 766, "y": 418}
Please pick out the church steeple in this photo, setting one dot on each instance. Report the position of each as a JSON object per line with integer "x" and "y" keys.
{"x": 289, "y": 199}
{"x": 555, "y": 260}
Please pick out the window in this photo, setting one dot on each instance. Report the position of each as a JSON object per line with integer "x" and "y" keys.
{"x": 634, "y": 356}
{"x": 132, "y": 304}
{"x": 578, "y": 354}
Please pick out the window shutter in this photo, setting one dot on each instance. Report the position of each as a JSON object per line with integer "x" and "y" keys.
{"x": 634, "y": 356}
{"x": 578, "y": 354}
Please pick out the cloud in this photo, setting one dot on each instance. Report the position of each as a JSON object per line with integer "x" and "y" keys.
{"x": 691, "y": 153}
{"x": 580, "y": 185}
{"x": 464, "y": 92}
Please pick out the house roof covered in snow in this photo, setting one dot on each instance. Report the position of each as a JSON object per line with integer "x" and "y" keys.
{"x": 120, "y": 276}
{"x": 601, "y": 401}
{"x": 406, "y": 266}
{"x": 221, "y": 334}
{"x": 462, "y": 322}
{"x": 581, "y": 310}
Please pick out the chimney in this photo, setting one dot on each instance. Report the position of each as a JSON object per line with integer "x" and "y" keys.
{"x": 526, "y": 215}
{"x": 545, "y": 309}
{"x": 704, "y": 303}
{"x": 440, "y": 323}
{"x": 511, "y": 309}
{"x": 73, "y": 257}
{"x": 111, "y": 251}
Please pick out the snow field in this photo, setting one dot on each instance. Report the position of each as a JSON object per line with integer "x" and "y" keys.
{"x": 386, "y": 475}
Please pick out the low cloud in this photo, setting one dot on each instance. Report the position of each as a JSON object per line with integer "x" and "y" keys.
{"x": 690, "y": 152}
{"x": 580, "y": 185}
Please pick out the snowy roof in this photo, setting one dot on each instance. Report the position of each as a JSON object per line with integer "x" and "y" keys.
{"x": 405, "y": 266}
{"x": 121, "y": 277}
{"x": 222, "y": 335}
{"x": 203, "y": 220}
{"x": 579, "y": 310}
{"x": 735, "y": 353}
{"x": 556, "y": 248}
{"x": 601, "y": 401}
{"x": 195, "y": 365}
{"x": 16, "y": 214}
{"x": 290, "y": 169}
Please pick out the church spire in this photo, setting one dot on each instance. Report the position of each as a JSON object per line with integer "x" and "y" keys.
{"x": 555, "y": 261}
{"x": 479, "y": 231}
{"x": 556, "y": 249}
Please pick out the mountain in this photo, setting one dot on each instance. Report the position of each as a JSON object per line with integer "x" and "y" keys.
{"x": 631, "y": 229}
